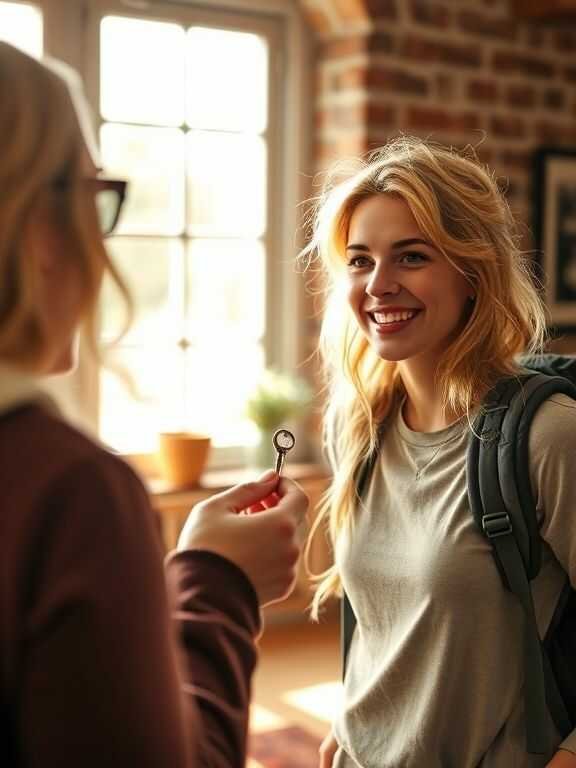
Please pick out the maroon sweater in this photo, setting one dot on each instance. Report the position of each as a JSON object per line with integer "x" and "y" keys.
{"x": 88, "y": 667}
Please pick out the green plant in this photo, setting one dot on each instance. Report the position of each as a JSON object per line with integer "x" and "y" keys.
{"x": 277, "y": 397}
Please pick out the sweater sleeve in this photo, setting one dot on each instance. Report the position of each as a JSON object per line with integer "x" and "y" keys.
{"x": 552, "y": 448}
{"x": 100, "y": 683}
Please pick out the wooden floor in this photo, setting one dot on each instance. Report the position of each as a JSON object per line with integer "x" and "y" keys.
{"x": 297, "y": 681}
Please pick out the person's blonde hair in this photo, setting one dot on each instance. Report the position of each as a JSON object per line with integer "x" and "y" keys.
{"x": 458, "y": 206}
{"x": 44, "y": 131}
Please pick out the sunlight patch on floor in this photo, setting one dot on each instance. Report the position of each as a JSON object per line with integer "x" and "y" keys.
{"x": 262, "y": 719}
{"x": 321, "y": 701}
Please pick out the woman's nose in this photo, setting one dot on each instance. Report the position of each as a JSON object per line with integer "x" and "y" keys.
{"x": 383, "y": 280}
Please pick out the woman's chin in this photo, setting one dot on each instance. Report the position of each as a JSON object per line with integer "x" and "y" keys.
{"x": 64, "y": 363}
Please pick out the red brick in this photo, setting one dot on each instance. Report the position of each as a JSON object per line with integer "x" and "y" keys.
{"x": 523, "y": 96}
{"x": 484, "y": 26}
{"x": 535, "y": 37}
{"x": 513, "y": 158}
{"x": 397, "y": 81}
{"x": 433, "y": 119}
{"x": 431, "y": 14}
{"x": 341, "y": 47}
{"x": 565, "y": 40}
{"x": 381, "y": 9}
{"x": 555, "y": 133}
{"x": 507, "y": 62}
{"x": 484, "y": 154}
{"x": 381, "y": 42}
{"x": 553, "y": 98}
{"x": 483, "y": 90}
{"x": 445, "y": 87}
{"x": 380, "y": 115}
{"x": 508, "y": 127}
{"x": 426, "y": 50}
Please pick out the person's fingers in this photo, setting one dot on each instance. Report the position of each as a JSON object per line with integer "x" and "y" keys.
{"x": 292, "y": 498}
{"x": 270, "y": 501}
{"x": 245, "y": 495}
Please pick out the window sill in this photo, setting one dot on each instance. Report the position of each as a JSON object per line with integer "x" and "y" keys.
{"x": 214, "y": 481}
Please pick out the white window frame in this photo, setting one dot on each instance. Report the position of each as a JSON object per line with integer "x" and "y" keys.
{"x": 71, "y": 34}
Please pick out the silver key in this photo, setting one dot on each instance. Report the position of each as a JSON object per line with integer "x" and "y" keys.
{"x": 283, "y": 441}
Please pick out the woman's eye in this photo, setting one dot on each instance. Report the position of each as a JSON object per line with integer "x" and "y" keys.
{"x": 357, "y": 262}
{"x": 413, "y": 257}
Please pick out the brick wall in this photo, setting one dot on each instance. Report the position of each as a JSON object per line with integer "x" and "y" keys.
{"x": 459, "y": 71}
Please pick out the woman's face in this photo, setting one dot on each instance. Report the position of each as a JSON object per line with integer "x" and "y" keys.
{"x": 61, "y": 296}
{"x": 407, "y": 298}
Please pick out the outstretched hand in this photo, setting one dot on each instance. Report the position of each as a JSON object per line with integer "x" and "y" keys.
{"x": 266, "y": 546}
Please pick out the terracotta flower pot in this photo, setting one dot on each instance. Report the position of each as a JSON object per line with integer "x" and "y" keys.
{"x": 183, "y": 456}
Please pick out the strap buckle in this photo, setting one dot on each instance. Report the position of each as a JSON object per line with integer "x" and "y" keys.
{"x": 496, "y": 524}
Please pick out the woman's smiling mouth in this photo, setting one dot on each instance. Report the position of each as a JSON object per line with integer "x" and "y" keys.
{"x": 391, "y": 320}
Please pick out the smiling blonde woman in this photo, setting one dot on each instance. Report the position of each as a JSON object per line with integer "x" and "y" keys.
{"x": 430, "y": 302}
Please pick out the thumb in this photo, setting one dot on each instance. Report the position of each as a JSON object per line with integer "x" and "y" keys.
{"x": 244, "y": 495}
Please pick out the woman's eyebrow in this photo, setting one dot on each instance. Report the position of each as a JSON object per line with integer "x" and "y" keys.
{"x": 411, "y": 241}
{"x": 397, "y": 244}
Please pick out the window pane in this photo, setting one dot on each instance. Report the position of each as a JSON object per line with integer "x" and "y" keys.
{"x": 153, "y": 270}
{"x": 227, "y": 184}
{"x": 21, "y": 25}
{"x": 220, "y": 379}
{"x": 153, "y": 160}
{"x": 130, "y": 422}
{"x": 142, "y": 71}
{"x": 226, "y": 290}
{"x": 233, "y": 96}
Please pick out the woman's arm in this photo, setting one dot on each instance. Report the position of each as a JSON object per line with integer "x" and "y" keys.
{"x": 552, "y": 449}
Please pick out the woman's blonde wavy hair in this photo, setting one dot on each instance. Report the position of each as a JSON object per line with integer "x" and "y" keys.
{"x": 44, "y": 131}
{"x": 458, "y": 206}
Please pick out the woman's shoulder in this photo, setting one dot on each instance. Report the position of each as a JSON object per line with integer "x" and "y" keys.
{"x": 554, "y": 424}
{"x": 38, "y": 444}
{"x": 552, "y": 447}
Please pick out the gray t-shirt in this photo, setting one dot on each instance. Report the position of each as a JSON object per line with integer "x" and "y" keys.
{"x": 434, "y": 677}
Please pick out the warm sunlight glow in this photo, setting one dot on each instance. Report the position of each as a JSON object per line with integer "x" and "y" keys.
{"x": 189, "y": 135}
{"x": 154, "y": 161}
{"x": 21, "y": 25}
{"x": 232, "y": 97}
{"x": 322, "y": 701}
{"x": 142, "y": 70}
{"x": 262, "y": 719}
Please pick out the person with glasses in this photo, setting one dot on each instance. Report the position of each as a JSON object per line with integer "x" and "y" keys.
{"x": 108, "y": 656}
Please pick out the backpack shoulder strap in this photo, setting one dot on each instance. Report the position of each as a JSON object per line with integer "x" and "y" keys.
{"x": 503, "y": 506}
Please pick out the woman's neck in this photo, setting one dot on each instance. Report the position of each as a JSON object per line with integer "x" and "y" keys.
{"x": 424, "y": 410}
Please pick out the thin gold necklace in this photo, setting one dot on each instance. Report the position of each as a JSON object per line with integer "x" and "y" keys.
{"x": 421, "y": 469}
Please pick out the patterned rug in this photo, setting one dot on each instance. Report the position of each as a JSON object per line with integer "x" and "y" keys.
{"x": 291, "y": 747}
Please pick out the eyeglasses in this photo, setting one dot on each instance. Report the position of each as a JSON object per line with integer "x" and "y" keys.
{"x": 109, "y": 196}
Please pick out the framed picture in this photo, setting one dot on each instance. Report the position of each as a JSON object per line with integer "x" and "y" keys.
{"x": 555, "y": 232}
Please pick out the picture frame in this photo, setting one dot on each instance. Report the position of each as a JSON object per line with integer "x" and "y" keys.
{"x": 554, "y": 227}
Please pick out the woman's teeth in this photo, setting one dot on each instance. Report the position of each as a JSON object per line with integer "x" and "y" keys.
{"x": 384, "y": 318}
